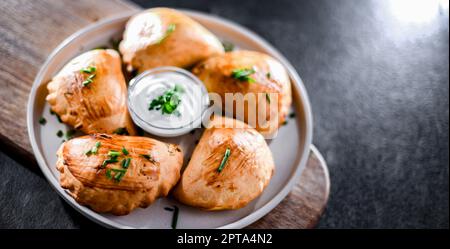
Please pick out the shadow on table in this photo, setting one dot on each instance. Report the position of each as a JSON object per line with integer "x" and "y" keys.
{"x": 79, "y": 220}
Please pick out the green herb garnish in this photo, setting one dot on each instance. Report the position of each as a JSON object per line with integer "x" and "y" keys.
{"x": 89, "y": 69}
{"x": 169, "y": 31}
{"x": 125, "y": 151}
{"x": 175, "y": 211}
{"x": 42, "y": 121}
{"x": 243, "y": 74}
{"x": 113, "y": 153}
{"x": 108, "y": 173}
{"x": 224, "y": 160}
{"x": 126, "y": 163}
{"x": 179, "y": 88}
{"x": 168, "y": 102}
{"x": 268, "y": 75}
{"x": 119, "y": 174}
{"x": 89, "y": 80}
{"x": 70, "y": 133}
{"x": 268, "y": 98}
{"x": 60, "y": 133}
{"x": 227, "y": 46}
{"x": 121, "y": 131}
{"x": 94, "y": 149}
{"x": 108, "y": 161}
{"x": 101, "y": 47}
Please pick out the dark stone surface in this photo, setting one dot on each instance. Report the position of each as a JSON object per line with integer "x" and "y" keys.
{"x": 377, "y": 73}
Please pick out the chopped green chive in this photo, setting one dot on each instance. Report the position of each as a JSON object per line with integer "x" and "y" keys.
{"x": 292, "y": 115}
{"x": 179, "y": 88}
{"x": 170, "y": 29}
{"x": 268, "y": 75}
{"x": 243, "y": 74}
{"x": 87, "y": 82}
{"x": 60, "y": 133}
{"x": 121, "y": 131}
{"x": 89, "y": 69}
{"x": 88, "y": 153}
{"x": 169, "y": 101}
{"x": 228, "y": 46}
{"x": 113, "y": 153}
{"x": 94, "y": 149}
{"x": 52, "y": 112}
{"x": 42, "y": 121}
{"x": 119, "y": 174}
{"x": 108, "y": 173}
{"x": 175, "y": 217}
{"x": 108, "y": 161}
{"x": 268, "y": 98}
{"x": 126, "y": 163}
{"x": 101, "y": 47}
{"x": 125, "y": 151}
{"x": 70, "y": 133}
{"x": 119, "y": 170}
{"x": 224, "y": 160}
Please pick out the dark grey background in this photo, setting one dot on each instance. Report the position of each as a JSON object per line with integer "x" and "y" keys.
{"x": 377, "y": 73}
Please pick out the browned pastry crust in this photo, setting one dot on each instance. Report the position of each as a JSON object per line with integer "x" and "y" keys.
{"x": 144, "y": 180}
{"x": 147, "y": 43}
{"x": 99, "y": 107}
{"x": 244, "y": 177}
{"x": 270, "y": 78}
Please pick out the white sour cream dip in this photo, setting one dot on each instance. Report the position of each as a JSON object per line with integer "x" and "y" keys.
{"x": 150, "y": 85}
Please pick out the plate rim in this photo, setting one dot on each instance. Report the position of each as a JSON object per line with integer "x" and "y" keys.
{"x": 240, "y": 223}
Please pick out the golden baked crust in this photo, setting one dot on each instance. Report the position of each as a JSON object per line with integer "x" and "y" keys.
{"x": 147, "y": 43}
{"x": 270, "y": 78}
{"x": 100, "y": 107}
{"x": 144, "y": 181}
{"x": 247, "y": 172}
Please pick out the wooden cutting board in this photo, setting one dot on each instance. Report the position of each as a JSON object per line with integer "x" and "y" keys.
{"x": 30, "y": 30}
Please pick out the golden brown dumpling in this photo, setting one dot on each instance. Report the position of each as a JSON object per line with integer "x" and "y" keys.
{"x": 242, "y": 178}
{"x": 153, "y": 169}
{"x": 267, "y": 76}
{"x": 166, "y": 37}
{"x": 90, "y": 94}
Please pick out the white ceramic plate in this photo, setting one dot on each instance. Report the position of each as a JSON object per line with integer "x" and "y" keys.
{"x": 290, "y": 148}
